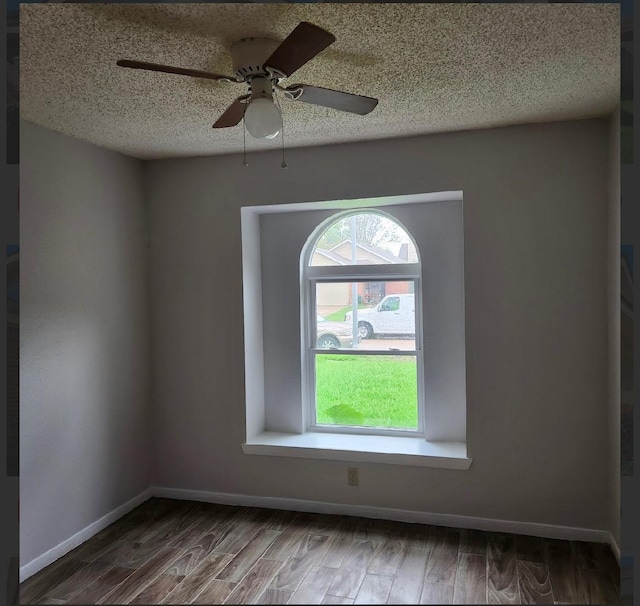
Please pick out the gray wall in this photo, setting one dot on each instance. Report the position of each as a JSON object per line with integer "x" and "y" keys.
{"x": 535, "y": 204}
{"x": 84, "y": 341}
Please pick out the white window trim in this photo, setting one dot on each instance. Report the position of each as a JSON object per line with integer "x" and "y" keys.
{"x": 334, "y": 445}
{"x": 310, "y": 276}
{"x": 361, "y": 449}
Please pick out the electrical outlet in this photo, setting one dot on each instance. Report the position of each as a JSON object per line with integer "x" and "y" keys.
{"x": 352, "y": 476}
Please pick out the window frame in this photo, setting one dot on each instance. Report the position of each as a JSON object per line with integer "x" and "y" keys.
{"x": 310, "y": 276}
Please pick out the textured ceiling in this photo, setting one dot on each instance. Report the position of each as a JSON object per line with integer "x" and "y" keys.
{"x": 434, "y": 68}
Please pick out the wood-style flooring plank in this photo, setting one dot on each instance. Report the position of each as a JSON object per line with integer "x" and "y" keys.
{"x": 375, "y": 589}
{"x": 159, "y": 518}
{"x": 333, "y": 599}
{"x": 226, "y": 514}
{"x": 180, "y": 524}
{"x": 363, "y": 529}
{"x": 324, "y": 524}
{"x": 442, "y": 560}
{"x": 204, "y": 525}
{"x": 389, "y": 555}
{"x": 601, "y": 589}
{"x": 473, "y": 541}
{"x": 40, "y": 584}
{"x": 471, "y": 579}
{"x": 142, "y": 577}
{"x": 198, "y": 551}
{"x": 255, "y": 582}
{"x": 350, "y": 575}
{"x": 133, "y": 522}
{"x": 216, "y": 592}
{"x": 535, "y": 586}
{"x": 259, "y": 516}
{"x": 280, "y": 519}
{"x": 248, "y": 556}
{"x": 135, "y": 547}
{"x": 314, "y": 586}
{"x": 85, "y": 576}
{"x": 310, "y": 552}
{"x": 288, "y": 543}
{"x": 585, "y": 554}
{"x": 240, "y": 535}
{"x": 436, "y": 593}
{"x": 129, "y": 554}
{"x": 168, "y": 522}
{"x": 247, "y": 514}
{"x": 294, "y": 557}
{"x": 339, "y": 543}
{"x": 502, "y": 573}
{"x": 104, "y": 541}
{"x": 383, "y": 529}
{"x": 274, "y": 596}
{"x": 409, "y": 577}
{"x": 530, "y": 548}
{"x": 567, "y": 582}
{"x": 607, "y": 563}
{"x": 110, "y": 580}
{"x": 196, "y": 582}
{"x": 159, "y": 589}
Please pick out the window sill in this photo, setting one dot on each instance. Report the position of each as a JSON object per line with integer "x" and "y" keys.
{"x": 361, "y": 448}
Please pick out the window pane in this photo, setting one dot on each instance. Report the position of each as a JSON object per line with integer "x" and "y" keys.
{"x": 378, "y": 241}
{"x": 367, "y": 391}
{"x": 385, "y": 315}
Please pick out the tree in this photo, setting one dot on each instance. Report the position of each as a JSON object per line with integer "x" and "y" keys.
{"x": 371, "y": 228}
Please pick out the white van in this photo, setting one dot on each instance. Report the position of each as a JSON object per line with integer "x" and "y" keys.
{"x": 394, "y": 315}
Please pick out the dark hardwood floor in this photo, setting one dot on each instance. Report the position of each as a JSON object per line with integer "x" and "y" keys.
{"x": 182, "y": 552}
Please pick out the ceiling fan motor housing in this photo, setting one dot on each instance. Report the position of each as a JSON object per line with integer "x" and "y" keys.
{"x": 249, "y": 54}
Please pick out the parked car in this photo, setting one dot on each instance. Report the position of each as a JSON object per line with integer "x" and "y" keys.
{"x": 394, "y": 315}
{"x": 333, "y": 335}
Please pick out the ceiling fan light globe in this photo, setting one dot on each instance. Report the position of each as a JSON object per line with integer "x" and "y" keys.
{"x": 263, "y": 118}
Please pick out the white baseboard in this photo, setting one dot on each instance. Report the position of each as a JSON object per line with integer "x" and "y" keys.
{"x": 401, "y": 515}
{"x": 81, "y": 536}
{"x": 549, "y": 531}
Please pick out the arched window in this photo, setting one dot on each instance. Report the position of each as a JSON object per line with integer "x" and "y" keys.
{"x": 360, "y": 274}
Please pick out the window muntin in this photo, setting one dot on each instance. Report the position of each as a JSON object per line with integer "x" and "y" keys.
{"x": 365, "y": 296}
{"x": 365, "y": 238}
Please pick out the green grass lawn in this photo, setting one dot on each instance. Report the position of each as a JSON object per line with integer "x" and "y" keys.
{"x": 370, "y": 391}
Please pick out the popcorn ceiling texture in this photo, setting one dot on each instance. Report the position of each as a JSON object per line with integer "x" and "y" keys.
{"x": 433, "y": 67}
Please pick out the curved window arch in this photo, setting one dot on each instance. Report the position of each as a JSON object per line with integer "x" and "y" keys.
{"x": 360, "y": 275}
{"x": 361, "y": 238}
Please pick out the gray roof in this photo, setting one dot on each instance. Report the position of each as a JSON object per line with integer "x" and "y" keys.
{"x": 376, "y": 250}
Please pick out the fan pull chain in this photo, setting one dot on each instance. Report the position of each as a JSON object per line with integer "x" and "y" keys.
{"x": 284, "y": 164}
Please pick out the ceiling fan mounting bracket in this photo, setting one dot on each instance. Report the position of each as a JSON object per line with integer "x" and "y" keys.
{"x": 248, "y": 56}
{"x": 291, "y": 93}
{"x": 230, "y": 80}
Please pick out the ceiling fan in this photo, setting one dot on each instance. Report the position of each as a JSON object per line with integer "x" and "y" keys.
{"x": 262, "y": 63}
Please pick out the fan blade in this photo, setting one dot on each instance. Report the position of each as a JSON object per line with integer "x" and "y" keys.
{"x": 346, "y": 102}
{"x": 154, "y": 67}
{"x": 232, "y": 115}
{"x": 300, "y": 46}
